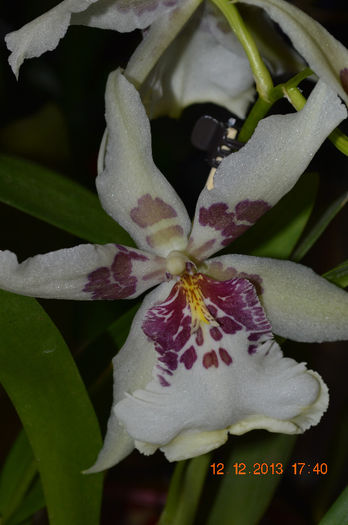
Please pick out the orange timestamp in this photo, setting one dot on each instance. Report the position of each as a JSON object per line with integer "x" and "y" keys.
{"x": 298, "y": 468}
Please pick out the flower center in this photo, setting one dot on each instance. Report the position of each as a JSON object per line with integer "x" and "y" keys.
{"x": 176, "y": 262}
{"x": 190, "y": 285}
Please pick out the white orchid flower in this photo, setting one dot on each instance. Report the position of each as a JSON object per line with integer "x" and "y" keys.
{"x": 200, "y": 360}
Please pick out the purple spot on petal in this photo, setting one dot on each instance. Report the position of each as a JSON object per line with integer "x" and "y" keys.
{"x": 251, "y": 211}
{"x": 170, "y": 359}
{"x": 210, "y": 359}
{"x": 216, "y": 216}
{"x": 225, "y": 356}
{"x": 215, "y": 333}
{"x": 232, "y": 224}
{"x": 229, "y": 325}
{"x": 150, "y": 210}
{"x": 163, "y": 381}
{"x": 189, "y": 357}
{"x": 115, "y": 281}
{"x": 199, "y": 337}
{"x": 252, "y": 349}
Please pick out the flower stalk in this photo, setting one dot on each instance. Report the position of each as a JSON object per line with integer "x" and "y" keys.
{"x": 261, "y": 74}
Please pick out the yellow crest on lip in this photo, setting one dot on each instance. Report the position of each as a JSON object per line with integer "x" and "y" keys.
{"x": 195, "y": 299}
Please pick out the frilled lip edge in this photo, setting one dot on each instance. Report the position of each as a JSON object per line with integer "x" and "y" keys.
{"x": 194, "y": 443}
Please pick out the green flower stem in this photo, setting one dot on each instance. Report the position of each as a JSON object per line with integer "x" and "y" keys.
{"x": 337, "y": 137}
{"x": 262, "y": 76}
{"x": 261, "y": 107}
{"x": 185, "y": 490}
{"x": 258, "y": 111}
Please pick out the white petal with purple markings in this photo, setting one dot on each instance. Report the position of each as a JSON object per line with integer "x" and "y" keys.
{"x": 324, "y": 54}
{"x": 131, "y": 188}
{"x": 250, "y": 181}
{"x": 218, "y": 371}
{"x": 85, "y": 272}
{"x": 132, "y": 370}
{"x": 300, "y": 304}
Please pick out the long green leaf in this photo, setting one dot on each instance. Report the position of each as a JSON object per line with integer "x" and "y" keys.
{"x": 41, "y": 378}
{"x": 57, "y": 200}
{"x": 338, "y": 275}
{"x": 338, "y": 513}
{"x": 278, "y": 231}
{"x": 321, "y": 225}
{"x": 243, "y": 498}
{"x": 16, "y": 476}
{"x": 34, "y": 500}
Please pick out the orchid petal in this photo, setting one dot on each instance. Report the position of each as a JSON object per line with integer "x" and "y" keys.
{"x": 279, "y": 57}
{"x": 132, "y": 369}
{"x": 125, "y": 15}
{"x": 88, "y": 271}
{"x": 198, "y": 68}
{"x": 226, "y": 375}
{"x": 300, "y": 304}
{"x": 131, "y": 188}
{"x": 156, "y": 40}
{"x": 326, "y": 56}
{"x": 250, "y": 181}
{"x": 43, "y": 33}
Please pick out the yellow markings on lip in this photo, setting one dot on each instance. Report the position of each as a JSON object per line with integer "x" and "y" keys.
{"x": 194, "y": 297}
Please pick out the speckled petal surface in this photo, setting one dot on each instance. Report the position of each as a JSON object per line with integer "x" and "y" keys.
{"x": 86, "y": 272}
{"x": 125, "y": 15}
{"x": 249, "y": 182}
{"x": 130, "y": 187}
{"x": 132, "y": 370}
{"x": 43, "y": 33}
{"x": 300, "y": 304}
{"x": 324, "y": 54}
{"x": 197, "y": 68}
{"x": 228, "y": 375}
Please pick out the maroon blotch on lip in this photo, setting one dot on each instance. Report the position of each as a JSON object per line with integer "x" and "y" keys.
{"x": 210, "y": 359}
{"x": 225, "y": 356}
{"x": 189, "y": 357}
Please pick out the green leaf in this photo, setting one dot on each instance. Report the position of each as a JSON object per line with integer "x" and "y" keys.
{"x": 41, "y": 378}
{"x": 338, "y": 513}
{"x": 321, "y": 225}
{"x": 185, "y": 490}
{"x": 277, "y": 232}
{"x": 16, "y": 476}
{"x": 242, "y": 499}
{"x": 338, "y": 275}
{"x": 57, "y": 200}
{"x": 34, "y": 500}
